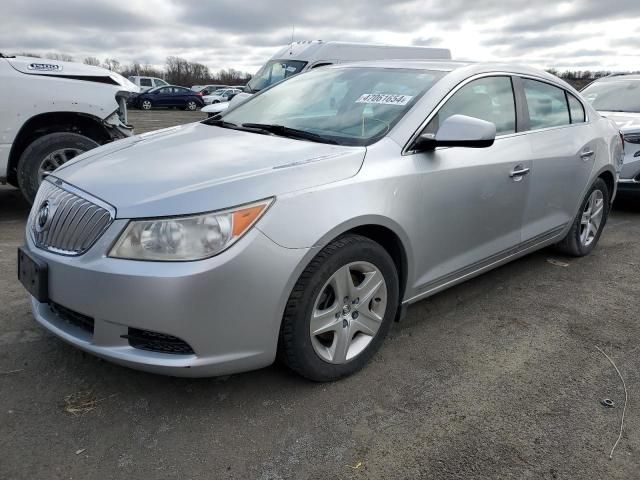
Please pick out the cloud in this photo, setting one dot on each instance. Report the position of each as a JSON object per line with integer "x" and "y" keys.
{"x": 243, "y": 35}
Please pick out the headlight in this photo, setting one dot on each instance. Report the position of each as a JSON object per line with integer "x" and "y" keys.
{"x": 187, "y": 238}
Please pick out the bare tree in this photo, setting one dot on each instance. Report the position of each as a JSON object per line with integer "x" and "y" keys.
{"x": 63, "y": 57}
{"x": 91, "y": 61}
{"x": 111, "y": 64}
{"x": 27, "y": 54}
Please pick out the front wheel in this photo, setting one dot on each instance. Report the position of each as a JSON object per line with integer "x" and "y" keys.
{"x": 340, "y": 310}
{"x": 44, "y": 155}
{"x": 589, "y": 222}
{"x": 146, "y": 105}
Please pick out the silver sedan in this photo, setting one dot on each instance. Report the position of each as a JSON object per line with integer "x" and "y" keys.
{"x": 302, "y": 223}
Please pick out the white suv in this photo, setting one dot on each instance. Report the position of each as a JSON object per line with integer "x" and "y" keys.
{"x": 52, "y": 111}
{"x": 147, "y": 83}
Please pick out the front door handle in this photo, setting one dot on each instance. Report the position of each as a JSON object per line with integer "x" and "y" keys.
{"x": 519, "y": 172}
{"x": 587, "y": 155}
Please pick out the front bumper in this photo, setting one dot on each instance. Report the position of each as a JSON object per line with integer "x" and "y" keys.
{"x": 227, "y": 308}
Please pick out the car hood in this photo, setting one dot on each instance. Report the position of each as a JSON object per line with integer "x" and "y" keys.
{"x": 625, "y": 120}
{"x": 72, "y": 70}
{"x": 197, "y": 168}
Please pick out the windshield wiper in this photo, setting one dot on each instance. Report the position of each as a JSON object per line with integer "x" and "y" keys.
{"x": 219, "y": 122}
{"x": 283, "y": 131}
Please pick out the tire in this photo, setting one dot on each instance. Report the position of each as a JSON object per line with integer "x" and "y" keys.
{"x": 191, "y": 106}
{"x": 310, "y": 354}
{"x": 45, "y": 154}
{"x": 146, "y": 105}
{"x": 576, "y": 243}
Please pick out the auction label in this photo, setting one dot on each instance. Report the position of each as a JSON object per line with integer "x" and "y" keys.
{"x": 384, "y": 99}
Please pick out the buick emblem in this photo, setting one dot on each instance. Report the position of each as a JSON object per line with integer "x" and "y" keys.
{"x": 43, "y": 217}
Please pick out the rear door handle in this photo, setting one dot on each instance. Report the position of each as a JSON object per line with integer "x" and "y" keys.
{"x": 586, "y": 155}
{"x": 519, "y": 172}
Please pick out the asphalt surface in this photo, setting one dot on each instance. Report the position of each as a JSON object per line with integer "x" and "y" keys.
{"x": 497, "y": 378}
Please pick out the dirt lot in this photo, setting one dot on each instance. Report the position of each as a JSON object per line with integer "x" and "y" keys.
{"x": 498, "y": 378}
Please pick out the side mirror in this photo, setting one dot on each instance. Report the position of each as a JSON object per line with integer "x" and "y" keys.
{"x": 459, "y": 131}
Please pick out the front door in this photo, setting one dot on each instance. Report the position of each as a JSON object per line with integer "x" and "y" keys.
{"x": 474, "y": 199}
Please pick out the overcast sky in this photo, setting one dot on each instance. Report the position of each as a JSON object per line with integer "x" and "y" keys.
{"x": 242, "y": 34}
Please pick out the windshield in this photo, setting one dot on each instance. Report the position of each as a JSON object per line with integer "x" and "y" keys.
{"x": 614, "y": 95}
{"x": 274, "y": 71}
{"x": 348, "y": 106}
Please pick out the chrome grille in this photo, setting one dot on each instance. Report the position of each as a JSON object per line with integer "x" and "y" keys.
{"x": 71, "y": 223}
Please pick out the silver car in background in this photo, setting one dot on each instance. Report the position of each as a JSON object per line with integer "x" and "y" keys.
{"x": 618, "y": 97}
{"x": 301, "y": 223}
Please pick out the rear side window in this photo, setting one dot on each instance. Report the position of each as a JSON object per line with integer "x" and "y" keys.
{"x": 489, "y": 99}
{"x": 575, "y": 109}
{"x": 547, "y": 105}
{"x": 145, "y": 82}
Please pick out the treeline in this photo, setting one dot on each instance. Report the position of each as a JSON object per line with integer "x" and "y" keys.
{"x": 176, "y": 71}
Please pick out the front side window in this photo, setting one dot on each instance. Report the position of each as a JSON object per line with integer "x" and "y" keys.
{"x": 159, "y": 82}
{"x": 490, "y": 99}
{"x": 575, "y": 109}
{"x": 616, "y": 95}
{"x": 349, "y": 106}
{"x": 145, "y": 82}
{"x": 547, "y": 105}
{"x": 274, "y": 71}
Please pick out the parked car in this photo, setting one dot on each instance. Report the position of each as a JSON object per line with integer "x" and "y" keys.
{"x": 147, "y": 83}
{"x": 167, "y": 97}
{"x": 309, "y": 54}
{"x": 305, "y": 220}
{"x": 222, "y": 95}
{"x": 72, "y": 108}
{"x": 618, "y": 98}
{"x": 208, "y": 89}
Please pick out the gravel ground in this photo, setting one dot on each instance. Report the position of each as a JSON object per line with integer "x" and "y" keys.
{"x": 144, "y": 121}
{"x": 497, "y": 378}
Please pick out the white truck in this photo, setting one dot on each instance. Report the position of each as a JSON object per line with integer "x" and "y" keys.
{"x": 52, "y": 111}
{"x": 301, "y": 56}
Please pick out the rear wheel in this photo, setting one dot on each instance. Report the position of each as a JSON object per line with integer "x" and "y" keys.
{"x": 340, "y": 310}
{"x": 589, "y": 222}
{"x": 191, "y": 105}
{"x": 45, "y": 154}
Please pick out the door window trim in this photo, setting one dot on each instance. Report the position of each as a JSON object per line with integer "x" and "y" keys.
{"x": 519, "y": 98}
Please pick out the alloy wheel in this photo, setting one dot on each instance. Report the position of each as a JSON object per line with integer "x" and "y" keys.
{"x": 55, "y": 159}
{"x": 146, "y": 105}
{"x": 348, "y": 312}
{"x": 591, "y": 218}
{"x": 191, "y": 105}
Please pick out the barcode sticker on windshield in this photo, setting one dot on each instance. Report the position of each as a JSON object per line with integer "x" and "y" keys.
{"x": 384, "y": 99}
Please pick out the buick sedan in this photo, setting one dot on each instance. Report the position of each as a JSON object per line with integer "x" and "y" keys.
{"x": 301, "y": 223}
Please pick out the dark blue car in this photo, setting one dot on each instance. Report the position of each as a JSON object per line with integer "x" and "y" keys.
{"x": 167, "y": 97}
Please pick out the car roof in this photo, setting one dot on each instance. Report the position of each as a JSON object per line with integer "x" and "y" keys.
{"x": 613, "y": 78}
{"x": 465, "y": 68}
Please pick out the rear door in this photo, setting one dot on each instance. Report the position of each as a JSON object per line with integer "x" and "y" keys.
{"x": 473, "y": 203}
{"x": 182, "y": 96}
{"x": 563, "y": 150}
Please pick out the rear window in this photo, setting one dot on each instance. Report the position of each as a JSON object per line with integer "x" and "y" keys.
{"x": 547, "y": 105}
{"x": 620, "y": 95}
